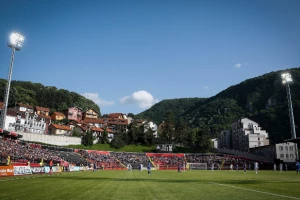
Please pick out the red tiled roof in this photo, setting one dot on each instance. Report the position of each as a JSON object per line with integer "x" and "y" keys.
{"x": 59, "y": 114}
{"x": 114, "y": 115}
{"x": 97, "y": 129}
{"x": 82, "y": 128}
{"x": 117, "y": 121}
{"x": 25, "y": 105}
{"x": 61, "y": 127}
{"x": 77, "y": 121}
{"x": 13, "y": 112}
{"x": 42, "y": 108}
{"x": 109, "y": 130}
{"x": 44, "y": 116}
{"x": 91, "y": 109}
{"x": 94, "y": 121}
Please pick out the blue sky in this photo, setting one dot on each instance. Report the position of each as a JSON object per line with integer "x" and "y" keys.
{"x": 128, "y": 55}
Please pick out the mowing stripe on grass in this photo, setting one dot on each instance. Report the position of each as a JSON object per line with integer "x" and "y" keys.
{"x": 269, "y": 193}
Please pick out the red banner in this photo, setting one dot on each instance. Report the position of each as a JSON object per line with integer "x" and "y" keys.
{"x": 181, "y": 155}
{"x": 7, "y": 170}
{"x": 99, "y": 152}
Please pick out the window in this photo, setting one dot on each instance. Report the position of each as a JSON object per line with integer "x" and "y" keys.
{"x": 286, "y": 148}
{"x": 287, "y": 155}
{"x": 291, "y": 148}
{"x": 280, "y": 148}
{"x": 281, "y": 155}
{"x": 291, "y": 155}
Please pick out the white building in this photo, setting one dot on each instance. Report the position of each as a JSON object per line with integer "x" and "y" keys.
{"x": 286, "y": 152}
{"x": 152, "y": 126}
{"x": 27, "y": 122}
{"x": 215, "y": 142}
{"x": 248, "y": 134}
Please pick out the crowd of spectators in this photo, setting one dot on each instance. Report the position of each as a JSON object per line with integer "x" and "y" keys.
{"x": 27, "y": 152}
{"x": 23, "y": 152}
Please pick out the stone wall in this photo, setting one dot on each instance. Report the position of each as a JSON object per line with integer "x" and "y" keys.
{"x": 50, "y": 139}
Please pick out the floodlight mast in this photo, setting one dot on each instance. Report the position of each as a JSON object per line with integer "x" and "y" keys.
{"x": 15, "y": 42}
{"x": 287, "y": 79}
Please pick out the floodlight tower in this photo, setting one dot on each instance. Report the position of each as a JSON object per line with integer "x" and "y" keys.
{"x": 287, "y": 79}
{"x": 15, "y": 42}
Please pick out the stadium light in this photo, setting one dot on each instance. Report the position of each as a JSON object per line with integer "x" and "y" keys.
{"x": 16, "y": 43}
{"x": 286, "y": 80}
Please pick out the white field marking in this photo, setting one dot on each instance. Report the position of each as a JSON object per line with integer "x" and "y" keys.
{"x": 269, "y": 193}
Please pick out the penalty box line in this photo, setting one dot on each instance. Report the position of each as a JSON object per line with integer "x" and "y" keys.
{"x": 269, "y": 193}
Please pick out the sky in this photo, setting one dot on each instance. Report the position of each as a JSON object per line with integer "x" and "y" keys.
{"x": 128, "y": 55}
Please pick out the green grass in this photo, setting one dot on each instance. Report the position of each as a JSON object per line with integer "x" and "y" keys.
{"x": 106, "y": 147}
{"x": 160, "y": 185}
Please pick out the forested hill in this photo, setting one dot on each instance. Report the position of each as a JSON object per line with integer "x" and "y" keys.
{"x": 262, "y": 99}
{"x": 177, "y": 106}
{"x": 37, "y": 94}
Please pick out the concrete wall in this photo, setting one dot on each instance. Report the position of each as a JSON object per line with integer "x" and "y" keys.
{"x": 50, "y": 139}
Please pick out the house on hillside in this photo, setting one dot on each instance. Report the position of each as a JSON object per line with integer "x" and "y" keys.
{"x": 27, "y": 122}
{"x": 25, "y": 107}
{"x": 81, "y": 129}
{"x": 73, "y": 113}
{"x": 42, "y": 111}
{"x": 91, "y": 114}
{"x": 56, "y": 129}
{"x": 99, "y": 123}
{"x": 56, "y": 116}
{"x": 73, "y": 123}
{"x": 117, "y": 124}
{"x": 117, "y": 115}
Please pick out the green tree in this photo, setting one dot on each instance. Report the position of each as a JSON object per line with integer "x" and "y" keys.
{"x": 117, "y": 142}
{"x": 131, "y": 115}
{"x": 76, "y": 133}
{"x": 168, "y": 126}
{"x": 133, "y": 132}
{"x": 181, "y": 132}
{"x": 149, "y": 136}
{"x": 105, "y": 137}
{"x": 87, "y": 139}
{"x": 203, "y": 140}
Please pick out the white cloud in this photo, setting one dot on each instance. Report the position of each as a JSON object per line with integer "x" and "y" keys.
{"x": 95, "y": 98}
{"x": 238, "y": 65}
{"x": 142, "y": 98}
{"x": 206, "y": 88}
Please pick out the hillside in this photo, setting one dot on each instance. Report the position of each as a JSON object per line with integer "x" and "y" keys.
{"x": 262, "y": 99}
{"x": 178, "y": 107}
{"x": 45, "y": 96}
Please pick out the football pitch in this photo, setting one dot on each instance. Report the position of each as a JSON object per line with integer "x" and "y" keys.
{"x": 163, "y": 185}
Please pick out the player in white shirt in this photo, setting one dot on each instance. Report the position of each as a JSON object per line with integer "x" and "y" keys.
{"x": 129, "y": 167}
{"x": 256, "y": 167}
{"x": 141, "y": 167}
{"x": 231, "y": 167}
{"x": 280, "y": 167}
{"x": 274, "y": 167}
{"x": 212, "y": 167}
